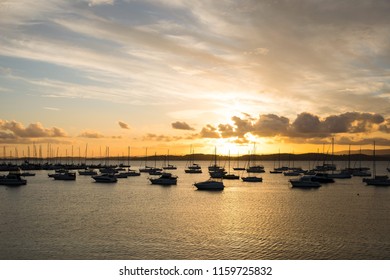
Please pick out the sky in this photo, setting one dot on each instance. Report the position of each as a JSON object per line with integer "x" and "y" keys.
{"x": 175, "y": 75}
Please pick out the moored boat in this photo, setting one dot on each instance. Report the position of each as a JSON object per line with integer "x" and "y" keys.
{"x": 165, "y": 179}
{"x": 305, "y": 181}
{"x": 252, "y": 179}
{"x": 105, "y": 178}
{"x": 64, "y": 176}
{"x": 211, "y": 185}
{"x": 12, "y": 180}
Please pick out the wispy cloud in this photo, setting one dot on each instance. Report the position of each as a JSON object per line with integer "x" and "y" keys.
{"x": 91, "y": 134}
{"x": 212, "y": 59}
{"x": 51, "y": 108}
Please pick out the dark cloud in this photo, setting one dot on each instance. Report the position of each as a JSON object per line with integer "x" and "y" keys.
{"x": 270, "y": 125}
{"x": 182, "y": 126}
{"x": 123, "y": 125}
{"x": 306, "y": 128}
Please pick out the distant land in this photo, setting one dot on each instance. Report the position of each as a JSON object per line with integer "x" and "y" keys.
{"x": 365, "y": 155}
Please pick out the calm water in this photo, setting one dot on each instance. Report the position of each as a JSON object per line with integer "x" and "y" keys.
{"x": 133, "y": 219}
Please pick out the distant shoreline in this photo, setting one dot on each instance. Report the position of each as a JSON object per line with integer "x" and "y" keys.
{"x": 208, "y": 157}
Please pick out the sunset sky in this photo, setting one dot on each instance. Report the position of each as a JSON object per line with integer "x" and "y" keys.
{"x": 168, "y": 74}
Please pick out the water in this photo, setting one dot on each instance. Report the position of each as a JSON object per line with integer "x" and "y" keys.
{"x": 133, "y": 219}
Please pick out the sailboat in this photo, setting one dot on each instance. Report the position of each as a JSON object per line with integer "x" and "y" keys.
{"x": 255, "y": 168}
{"x": 251, "y": 178}
{"x": 147, "y": 168}
{"x": 341, "y": 174}
{"x": 169, "y": 166}
{"x": 215, "y": 170}
{"x": 377, "y": 180}
{"x": 238, "y": 164}
{"x": 277, "y": 170}
{"x": 193, "y": 168}
{"x": 230, "y": 176}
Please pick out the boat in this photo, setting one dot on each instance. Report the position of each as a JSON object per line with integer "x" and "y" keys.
{"x": 121, "y": 175}
{"x": 252, "y": 179}
{"x": 341, "y": 175}
{"x": 238, "y": 168}
{"x": 215, "y": 168}
{"x": 322, "y": 178}
{"x": 166, "y": 179}
{"x": 156, "y": 171}
{"x": 380, "y": 181}
{"x": 291, "y": 173}
{"x": 211, "y": 185}
{"x": 27, "y": 174}
{"x": 255, "y": 168}
{"x": 193, "y": 169}
{"x": 131, "y": 173}
{"x": 105, "y": 178}
{"x": 377, "y": 180}
{"x": 88, "y": 172}
{"x": 169, "y": 166}
{"x": 230, "y": 176}
{"x": 305, "y": 181}
{"x": 276, "y": 171}
{"x": 12, "y": 179}
{"x": 279, "y": 169}
{"x": 64, "y": 176}
{"x": 217, "y": 173}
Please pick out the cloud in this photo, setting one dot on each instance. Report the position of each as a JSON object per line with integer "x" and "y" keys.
{"x": 91, "y": 134}
{"x": 209, "y": 131}
{"x": 305, "y": 128}
{"x": 123, "y": 125}
{"x": 270, "y": 125}
{"x": 92, "y": 3}
{"x": 161, "y": 138}
{"x": 33, "y": 130}
{"x": 51, "y": 108}
{"x": 182, "y": 126}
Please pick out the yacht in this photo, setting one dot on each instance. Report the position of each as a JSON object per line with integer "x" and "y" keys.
{"x": 12, "y": 179}
{"x": 231, "y": 177}
{"x": 170, "y": 167}
{"x": 252, "y": 179}
{"x": 27, "y": 174}
{"x": 255, "y": 169}
{"x": 380, "y": 181}
{"x": 131, "y": 173}
{"x": 377, "y": 180}
{"x": 165, "y": 179}
{"x": 193, "y": 169}
{"x": 88, "y": 172}
{"x": 305, "y": 182}
{"x": 105, "y": 178}
{"x": 64, "y": 176}
{"x": 211, "y": 185}
{"x": 291, "y": 173}
{"x": 322, "y": 178}
{"x": 121, "y": 175}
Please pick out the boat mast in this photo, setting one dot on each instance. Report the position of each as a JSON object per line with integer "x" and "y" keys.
{"x": 373, "y": 162}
